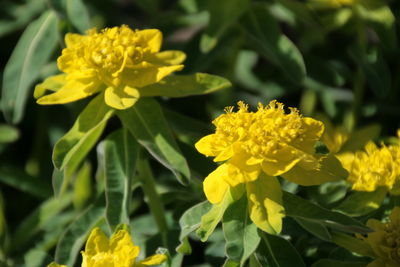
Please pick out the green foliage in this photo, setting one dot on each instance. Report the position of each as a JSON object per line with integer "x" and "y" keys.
{"x": 140, "y": 168}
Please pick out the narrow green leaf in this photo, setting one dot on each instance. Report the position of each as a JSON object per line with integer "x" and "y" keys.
{"x": 189, "y": 222}
{"x": 298, "y": 207}
{"x": 78, "y": 141}
{"x": 211, "y": 219}
{"x": 223, "y": 13}
{"x": 78, "y": 15}
{"x": 34, "y": 222}
{"x": 315, "y": 228}
{"x": 263, "y": 32}
{"x": 37, "y": 258}
{"x": 240, "y": 232}
{"x": 22, "y": 69}
{"x": 74, "y": 237}
{"x": 353, "y": 244}
{"x": 83, "y": 186}
{"x": 120, "y": 156}
{"x": 16, "y": 15}
{"x": 147, "y": 124}
{"x": 8, "y": 133}
{"x": 20, "y": 180}
{"x": 230, "y": 263}
{"x": 186, "y": 85}
{"x": 362, "y": 203}
{"x": 275, "y": 251}
{"x": 336, "y": 263}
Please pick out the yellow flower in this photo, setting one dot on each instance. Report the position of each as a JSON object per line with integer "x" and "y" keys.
{"x": 375, "y": 167}
{"x": 118, "y": 251}
{"x": 385, "y": 240}
{"x": 118, "y": 61}
{"x": 256, "y": 147}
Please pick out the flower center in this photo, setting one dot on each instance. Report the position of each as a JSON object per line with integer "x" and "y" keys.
{"x": 261, "y": 133}
{"x": 392, "y": 241}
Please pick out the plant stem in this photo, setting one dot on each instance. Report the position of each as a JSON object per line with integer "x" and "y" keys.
{"x": 153, "y": 198}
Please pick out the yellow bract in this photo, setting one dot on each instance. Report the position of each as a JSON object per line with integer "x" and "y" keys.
{"x": 119, "y": 251}
{"x": 385, "y": 240}
{"x": 118, "y": 60}
{"x": 268, "y": 141}
{"x": 374, "y": 167}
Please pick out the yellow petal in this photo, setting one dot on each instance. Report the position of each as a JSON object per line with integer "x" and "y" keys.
{"x": 330, "y": 170}
{"x": 152, "y": 39}
{"x": 122, "y": 97}
{"x": 73, "y": 38}
{"x": 346, "y": 159}
{"x": 53, "y": 83}
{"x": 97, "y": 242}
{"x": 239, "y": 172}
{"x": 208, "y": 146}
{"x": 265, "y": 203}
{"x": 279, "y": 167}
{"x": 169, "y": 57}
{"x": 313, "y": 130}
{"x": 154, "y": 260}
{"x": 122, "y": 239}
{"x": 146, "y": 75}
{"x": 214, "y": 185}
{"x": 72, "y": 90}
{"x": 226, "y": 154}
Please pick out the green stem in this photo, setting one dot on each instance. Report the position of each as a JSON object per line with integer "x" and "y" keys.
{"x": 153, "y": 198}
{"x": 359, "y": 80}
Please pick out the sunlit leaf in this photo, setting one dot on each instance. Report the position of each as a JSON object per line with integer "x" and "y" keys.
{"x": 22, "y": 69}
{"x": 147, "y": 124}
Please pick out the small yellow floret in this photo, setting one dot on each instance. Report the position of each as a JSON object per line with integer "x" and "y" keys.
{"x": 385, "y": 240}
{"x": 374, "y": 167}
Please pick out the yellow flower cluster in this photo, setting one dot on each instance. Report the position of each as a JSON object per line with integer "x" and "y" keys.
{"x": 256, "y": 147}
{"x": 118, "y": 61}
{"x": 118, "y": 251}
{"x": 385, "y": 241}
{"x": 375, "y": 167}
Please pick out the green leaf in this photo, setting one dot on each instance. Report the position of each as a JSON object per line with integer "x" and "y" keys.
{"x": 275, "y": 251}
{"x": 298, "y": 207}
{"x": 230, "y": 263}
{"x": 375, "y": 69}
{"x": 34, "y": 222}
{"x": 263, "y": 32}
{"x": 120, "y": 156}
{"x": 353, "y": 244}
{"x": 362, "y": 203}
{"x": 78, "y": 15}
{"x": 240, "y": 232}
{"x": 223, "y": 13}
{"x": 83, "y": 186}
{"x": 37, "y": 258}
{"x": 85, "y": 132}
{"x": 31, "y": 53}
{"x": 20, "y": 180}
{"x": 186, "y": 85}
{"x": 211, "y": 219}
{"x": 360, "y": 137}
{"x": 315, "y": 228}
{"x": 189, "y": 222}
{"x": 336, "y": 263}
{"x": 16, "y": 15}
{"x": 147, "y": 124}
{"x": 74, "y": 11}
{"x": 8, "y": 133}
{"x": 74, "y": 237}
